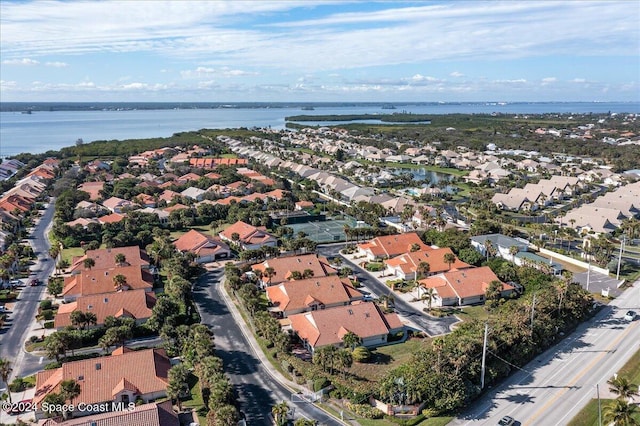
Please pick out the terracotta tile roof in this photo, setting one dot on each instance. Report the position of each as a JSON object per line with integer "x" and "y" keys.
{"x": 393, "y": 245}
{"x": 327, "y": 290}
{"x": 168, "y": 195}
{"x": 200, "y": 244}
{"x": 188, "y": 177}
{"x": 152, "y": 414}
{"x": 284, "y": 266}
{"x": 115, "y": 202}
{"x": 464, "y": 284}
{"x": 324, "y": 327}
{"x": 276, "y": 194}
{"x": 146, "y": 370}
{"x": 212, "y": 175}
{"x": 409, "y": 262}
{"x": 249, "y": 234}
{"x": 137, "y": 303}
{"x": 175, "y": 207}
{"x": 106, "y": 258}
{"x": 209, "y": 163}
{"x": 98, "y": 281}
{"x": 111, "y": 218}
{"x": 92, "y": 188}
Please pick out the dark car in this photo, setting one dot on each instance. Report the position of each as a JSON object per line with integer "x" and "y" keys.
{"x": 34, "y": 282}
{"x": 506, "y": 421}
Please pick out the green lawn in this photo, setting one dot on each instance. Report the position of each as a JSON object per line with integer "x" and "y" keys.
{"x": 631, "y": 370}
{"x": 386, "y": 358}
{"x": 69, "y": 253}
{"x": 589, "y": 414}
{"x": 195, "y": 400}
{"x": 432, "y": 421}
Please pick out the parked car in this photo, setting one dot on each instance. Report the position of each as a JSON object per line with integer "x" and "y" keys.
{"x": 34, "y": 282}
{"x": 630, "y": 316}
{"x": 506, "y": 421}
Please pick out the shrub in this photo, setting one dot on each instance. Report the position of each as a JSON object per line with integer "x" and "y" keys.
{"x": 18, "y": 385}
{"x": 374, "y": 267}
{"x": 34, "y": 339}
{"x": 361, "y": 354}
{"x": 320, "y": 383}
{"x": 48, "y": 324}
{"x": 365, "y": 410}
{"x": 47, "y": 314}
{"x": 46, "y": 304}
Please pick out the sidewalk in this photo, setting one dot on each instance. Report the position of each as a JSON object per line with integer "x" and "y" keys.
{"x": 257, "y": 351}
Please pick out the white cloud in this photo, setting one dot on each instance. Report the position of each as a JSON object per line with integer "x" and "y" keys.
{"x": 57, "y": 64}
{"x": 205, "y": 72}
{"x": 456, "y": 74}
{"x": 579, "y": 80}
{"x": 23, "y": 61}
{"x": 549, "y": 80}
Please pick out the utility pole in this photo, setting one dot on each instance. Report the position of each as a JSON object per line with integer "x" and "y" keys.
{"x": 599, "y": 406}
{"x": 620, "y": 256}
{"x": 484, "y": 353}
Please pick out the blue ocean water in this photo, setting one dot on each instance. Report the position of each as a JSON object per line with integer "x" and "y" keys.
{"x": 51, "y": 130}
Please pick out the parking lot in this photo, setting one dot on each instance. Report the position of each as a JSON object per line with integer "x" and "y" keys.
{"x": 598, "y": 282}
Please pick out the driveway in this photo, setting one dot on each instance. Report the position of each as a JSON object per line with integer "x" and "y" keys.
{"x": 598, "y": 282}
{"x": 256, "y": 387}
{"x": 430, "y": 325}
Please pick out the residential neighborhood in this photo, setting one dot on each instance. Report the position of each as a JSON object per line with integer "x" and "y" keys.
{"x": 345, "y": 263}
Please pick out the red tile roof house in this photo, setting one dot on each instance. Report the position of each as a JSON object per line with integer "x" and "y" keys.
{"x": 136, "y": 304}
{"x": 388, "y": 246}
{"x": 250, "y": 237}
{"x": 285, "y": 266}
{"x": 312, "y": 294}
{"x": 406, "y": 265}
{"x": 466, "y": 287}
{"x": 152, "y": 414}
{"x": 327, "y": 327}
{"x": 106, "y": 258}
{"x": 206, "y": 248}
{"x": 122, "y": 377}
{"x": 98, "y": 281}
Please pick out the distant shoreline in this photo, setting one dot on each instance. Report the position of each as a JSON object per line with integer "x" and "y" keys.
{"x": 131, "y": 106}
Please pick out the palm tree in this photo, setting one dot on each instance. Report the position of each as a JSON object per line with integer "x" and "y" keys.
{"x": 513, "y": 250}
{"x": 489, "y": 248}
{"x": 351, "y": 340}
{"x": 449, "y": 259}
{"x": 119, "y": 281}
{"x": 269, "y": 272}
{"x": 428, "y": 296}
{"x": 89, "y": 263}
{"x": 280, "y": 412}
{"x": 619, "y": 413}
{"x": 69, "y": 389}
{"x": 120, "y": 259}
{"x": 422, "y": 270}
{"x": 5, "y": 371}
{"x": 622, "y": 387}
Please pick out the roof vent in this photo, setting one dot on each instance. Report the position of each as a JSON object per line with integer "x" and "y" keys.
{"x": 98, "y": 366}
{"x": 80, "y": 378}
{"x": 106, "y": 273}
{"x": 366, "y": 314}
{"x": 106, "y": 300}
{"x": 350, "y": 312}
{"x": 89, "y": 306}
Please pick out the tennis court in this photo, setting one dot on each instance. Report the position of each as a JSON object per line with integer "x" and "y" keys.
{"x": 327, "y": 231}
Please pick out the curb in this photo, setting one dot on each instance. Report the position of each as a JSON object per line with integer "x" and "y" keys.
{"x": 260, "y": 354}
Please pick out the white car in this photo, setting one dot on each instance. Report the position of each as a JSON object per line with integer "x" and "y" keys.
{"x": 630, "y": 316}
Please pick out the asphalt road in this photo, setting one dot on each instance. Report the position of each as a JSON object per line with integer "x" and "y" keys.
{"x": 556, "y": 385}
{"x": 257, "y": 390}
{"x": 16, "y": 329}
{"x": 432, "y": 326}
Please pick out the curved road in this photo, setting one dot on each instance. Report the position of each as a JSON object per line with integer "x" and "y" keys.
{"x": 257, "y": 389}
{"x": 16, "y": 329}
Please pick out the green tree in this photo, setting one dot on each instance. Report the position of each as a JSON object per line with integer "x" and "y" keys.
{"x": 280, "y": 412}
{"x": 120, "y": 259}
{"x": 351, "y": 340}
{"x": 449, "y": 259}
{"x": 622, "y": 387}
{"x": 69, "y": 390}
{"x": 119, "y": 281}
{"x": 620, "y": 413}
{"x": 493, "y": 295}
{"x": 89, "y": 263}
{"x": 5, "y": 372}
{"x": 55, "y": 286}
{"x": 178, "y": 375}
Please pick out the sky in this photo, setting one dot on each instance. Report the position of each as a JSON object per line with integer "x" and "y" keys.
{"x": 319, "y": 51}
